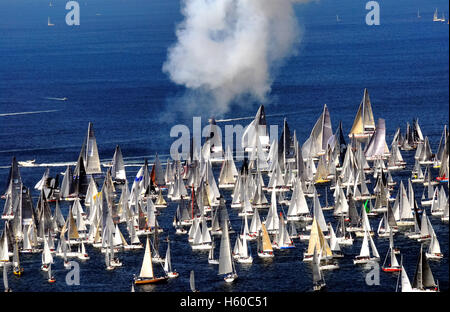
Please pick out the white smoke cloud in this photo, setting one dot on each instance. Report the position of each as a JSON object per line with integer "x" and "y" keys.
{"x": 227, "y": 49}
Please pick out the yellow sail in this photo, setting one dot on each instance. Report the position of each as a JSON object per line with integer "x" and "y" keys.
{"x": 368, "y": 120}
{"x": 267, "y": 245}
{"x": 358, "y": 126}
{"x": 317, "y": 240}
{"x": 322, "y": 172}
{"x": 73, "y": 233}
{"x": 97, "y": 238}
{"x": 160, "y": 200}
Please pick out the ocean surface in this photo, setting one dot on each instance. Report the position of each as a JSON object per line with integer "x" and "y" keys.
{"x": 110, "y": 70}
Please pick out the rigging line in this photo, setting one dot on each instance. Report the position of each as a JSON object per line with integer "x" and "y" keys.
{"x": 252, "y": 117}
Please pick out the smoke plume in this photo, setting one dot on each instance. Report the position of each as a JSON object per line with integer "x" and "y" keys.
{"x": 227, "y": 50}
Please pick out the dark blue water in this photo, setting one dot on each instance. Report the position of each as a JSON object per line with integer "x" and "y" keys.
{"x": 109, "y": 68}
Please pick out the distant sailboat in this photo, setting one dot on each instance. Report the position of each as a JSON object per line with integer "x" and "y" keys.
{"x": 337, "y": 18}
{"x": 49, "y": 23}
{"x": 435, "y": 16}
{"x": 418, "y": 14}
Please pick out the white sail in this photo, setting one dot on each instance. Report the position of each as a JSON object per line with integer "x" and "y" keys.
{"x": 147, "y": 265}
{"x": 47, "y": 257}
{"x": 365, "y": 251}
{"x": 272, "y": 222}
{"x": 225, "y": 262}
{"x": 318, "y": 214}
{"x": 406, "y": 284}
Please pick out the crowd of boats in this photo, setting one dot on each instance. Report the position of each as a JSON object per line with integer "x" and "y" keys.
{"x": 291, "y": 176}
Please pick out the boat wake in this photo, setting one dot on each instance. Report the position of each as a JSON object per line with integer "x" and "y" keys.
{"x": 27, "y": 113}
{"x": 56, "y": 98}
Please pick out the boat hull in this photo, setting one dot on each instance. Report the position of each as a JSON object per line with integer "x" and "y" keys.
{"x": 156, "y": 280}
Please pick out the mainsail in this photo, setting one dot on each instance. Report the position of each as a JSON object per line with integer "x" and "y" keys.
{"x": 89, "y": 151}
{"x": 364, "y": 117}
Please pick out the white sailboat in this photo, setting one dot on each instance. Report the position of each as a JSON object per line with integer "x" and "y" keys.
{"x": 365, "y": 253}
{"x": 318, "y": 280}
{"x": 47, "y": 257}
{"x": 192, "y": 282}
{"x": 434, "y": 249}
{"x": 226, "y": 264}
{"x": 5, "y": 279}
{"x": 423, "y": 278}
{"x": 392, "y": 265}
{"x": 168, "y": 263}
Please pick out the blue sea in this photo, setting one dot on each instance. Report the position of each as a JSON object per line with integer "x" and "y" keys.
{"x": 110, "y": 70}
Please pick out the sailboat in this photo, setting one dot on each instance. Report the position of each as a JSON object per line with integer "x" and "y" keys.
{"x": 317, "y": 143}
{"x": 364, "y": 124}
{"x": 82, "y": 254}
{"x": 434, "y": 249}
{"x": 146, "y": 275}
{"x": 393, "y": 265}
{"x": 51, "y": 279}
{"x": 89, "y": 153}
{"x": 256, "y": 129}
{"x": 282, "y": 239}
{"x": 17, "y": 270}
{"x": 343, "y": 237}
{"x": 228, "y": 171}
{"x": 245, "y": 253}
{"x": 5, "y": 279}
{"x": 377, "y": 147}
{"x": 49, "y": 23}
{"x": 317, "y": 241}
{"x": 160, "y": 201}
{"x": 364, "y": 255}
{"x": 118, "y": 173}
{"x": 226, "y": 264}
{"x": 47, "y": 258}
{"x": 192, "y": 281}
{"x": 318, "y": 280}
{"x": 265, "y": 249}
{"x": 418, "y": 14}
{"x": 423, "y": 278}
{"x": 168, "y": 263}
{"x": 436, "y": 18}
